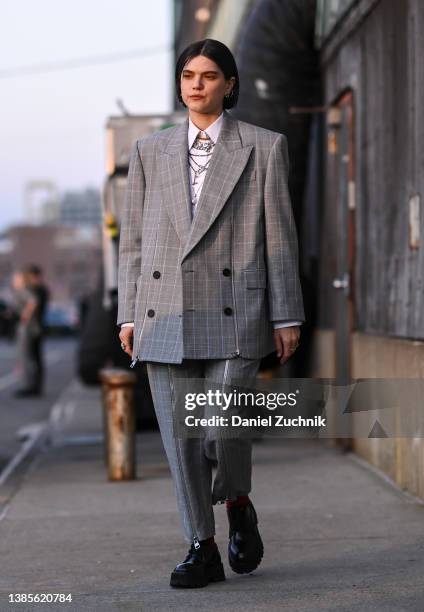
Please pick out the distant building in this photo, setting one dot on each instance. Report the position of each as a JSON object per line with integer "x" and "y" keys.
{"x": 80, "y": 208}
{"x": 71, "y": 258}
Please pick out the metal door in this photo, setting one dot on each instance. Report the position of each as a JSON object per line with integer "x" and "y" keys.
{"x": 340, "y": 121}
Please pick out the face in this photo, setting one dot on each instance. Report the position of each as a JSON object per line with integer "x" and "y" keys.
{"x": 18, "y": 280}
{"x": 203, "y": 78}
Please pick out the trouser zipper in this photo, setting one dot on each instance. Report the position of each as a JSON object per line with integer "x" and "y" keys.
{"x": 225, "y": 373}
{"x": 177, "y": 449}
{"x": 222, "y": 442}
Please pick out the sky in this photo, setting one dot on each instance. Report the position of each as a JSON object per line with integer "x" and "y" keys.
{"x": 52, "y": 124}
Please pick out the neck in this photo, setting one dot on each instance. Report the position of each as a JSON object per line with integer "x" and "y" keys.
{"x": 204, "y": 120}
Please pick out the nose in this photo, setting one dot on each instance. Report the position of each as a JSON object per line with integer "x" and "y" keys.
{"x": 197, "y": 84}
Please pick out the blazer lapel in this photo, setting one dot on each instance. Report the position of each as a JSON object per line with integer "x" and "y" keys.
{"x": 229, "y": 158}
{"x": 175, "y": 177}
{"x": 227, "y": 163}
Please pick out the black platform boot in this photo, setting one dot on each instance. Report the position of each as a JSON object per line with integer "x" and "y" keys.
{"x": 245, "y": 548}
{"x": 201, "y": 566}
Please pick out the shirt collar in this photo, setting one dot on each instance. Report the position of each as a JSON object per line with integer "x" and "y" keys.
{"x": 212, "y": 130}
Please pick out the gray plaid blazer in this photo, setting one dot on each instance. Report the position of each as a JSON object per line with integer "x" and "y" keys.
{"x": 208, "y": 288}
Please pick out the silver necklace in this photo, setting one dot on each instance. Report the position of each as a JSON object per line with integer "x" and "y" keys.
{"x": 201, "y": 144}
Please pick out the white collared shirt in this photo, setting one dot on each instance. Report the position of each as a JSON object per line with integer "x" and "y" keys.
{"x": 213, "y": 132}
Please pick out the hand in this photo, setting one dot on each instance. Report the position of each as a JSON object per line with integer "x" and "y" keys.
{"x": 126, "y": 336}
{"x": 286, "y": 340}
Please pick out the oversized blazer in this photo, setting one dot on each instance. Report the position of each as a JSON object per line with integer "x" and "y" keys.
{"x": 208, "y": 288}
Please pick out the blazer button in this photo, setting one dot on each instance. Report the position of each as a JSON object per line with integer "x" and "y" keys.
{"x": 150, "y": 313}
{"x": 156, "y": 274}
{"x": 226, "y": 272}
{"x": 228, "y": 311}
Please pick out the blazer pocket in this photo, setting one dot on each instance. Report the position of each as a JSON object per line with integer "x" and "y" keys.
{"x": 255, "y": 279}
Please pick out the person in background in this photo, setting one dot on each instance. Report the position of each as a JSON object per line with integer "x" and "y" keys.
{"x": 38, "y": 287}
{"x": 31, "y": 297}
{"x": 24, "y": 305}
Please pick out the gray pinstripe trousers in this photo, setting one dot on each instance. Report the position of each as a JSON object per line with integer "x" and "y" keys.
{"x": 191, "y": 459}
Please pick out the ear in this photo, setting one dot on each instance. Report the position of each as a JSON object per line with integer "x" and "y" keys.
{"x": 232, "y": 80}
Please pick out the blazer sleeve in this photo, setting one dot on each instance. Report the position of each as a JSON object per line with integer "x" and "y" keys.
{"x": 284, "y": 290}
{"x": 129, "y": 256}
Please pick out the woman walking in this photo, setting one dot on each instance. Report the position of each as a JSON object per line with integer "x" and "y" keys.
{"x": 208, "y": 285}
{"x": 27, "y": 331}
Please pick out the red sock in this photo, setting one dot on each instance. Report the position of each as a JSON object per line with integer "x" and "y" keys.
{"x": 210, "y": 540}
{"x": 242, "y": 500}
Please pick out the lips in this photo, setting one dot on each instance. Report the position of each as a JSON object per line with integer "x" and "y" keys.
{"x": 197, "y": 97}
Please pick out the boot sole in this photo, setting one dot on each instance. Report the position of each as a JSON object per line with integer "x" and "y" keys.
{"x": 248, "y": 566}
{"x": 214, "y": 574}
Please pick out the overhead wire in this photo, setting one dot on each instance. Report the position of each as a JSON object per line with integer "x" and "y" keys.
{"x": 81, "y": 62}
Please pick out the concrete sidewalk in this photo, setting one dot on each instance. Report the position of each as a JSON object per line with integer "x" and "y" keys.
{"x": 337, "y": 536}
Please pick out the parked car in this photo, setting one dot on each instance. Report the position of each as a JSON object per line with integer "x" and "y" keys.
{"x": 60, "y": 320}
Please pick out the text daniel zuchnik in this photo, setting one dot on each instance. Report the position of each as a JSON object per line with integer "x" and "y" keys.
{"x": 272, "y": 420}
